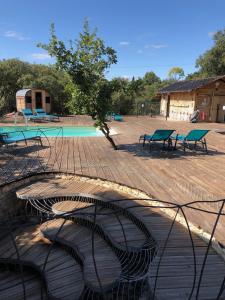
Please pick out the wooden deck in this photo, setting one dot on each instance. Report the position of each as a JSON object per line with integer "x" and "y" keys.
{"x": 170, "y": 176}
{"x": 176, "y": 271}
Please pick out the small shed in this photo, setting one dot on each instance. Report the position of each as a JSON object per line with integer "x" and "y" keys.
{"x": 33, "y": 98}
{"x": 180, "y": 99}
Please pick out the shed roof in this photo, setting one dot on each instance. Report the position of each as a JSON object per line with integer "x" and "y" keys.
{"x": 22, "y": 93}
{"x": 189, "y": 85}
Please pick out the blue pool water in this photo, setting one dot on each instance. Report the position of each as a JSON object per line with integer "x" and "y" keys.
{"x": 67, "y": 131}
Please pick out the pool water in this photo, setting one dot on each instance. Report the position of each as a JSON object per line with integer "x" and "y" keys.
{"x": 67, "y": 131}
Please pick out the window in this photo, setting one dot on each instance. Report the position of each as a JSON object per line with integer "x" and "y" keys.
{"x": 47, "y": 99}
{"x": 28, "y": 99}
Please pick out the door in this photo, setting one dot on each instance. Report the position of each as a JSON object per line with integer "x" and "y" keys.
{"x": 168, "y": 107}
{"x": 38, "y": 99}
{"x": 219, "y": 109}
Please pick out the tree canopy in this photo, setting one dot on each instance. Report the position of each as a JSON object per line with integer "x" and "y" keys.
{"x": 86, "y": 61}
{"x": 16, "y": 75}
{"x": 176, "y": 73}
{"x": 212, "y": 62}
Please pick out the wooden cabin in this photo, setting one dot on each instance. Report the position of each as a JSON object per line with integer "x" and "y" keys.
{"x": 180, "y": 99}
{"x": 33, "y": 98}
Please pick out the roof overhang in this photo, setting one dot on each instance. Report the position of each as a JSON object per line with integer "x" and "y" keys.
{"x": 22, "y": 93}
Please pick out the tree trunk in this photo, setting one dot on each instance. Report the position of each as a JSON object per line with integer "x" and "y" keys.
{"x": 105, "y": 131}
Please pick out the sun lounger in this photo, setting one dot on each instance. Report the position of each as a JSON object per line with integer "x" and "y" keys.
{"x": 42, "y": 114}
{"x": 7, "y": 138}
{"x": 160, "y": 135}
{"x": 28, "y": 115}
{"x": 118, "y": 118}
{"x": 195, "y": 137}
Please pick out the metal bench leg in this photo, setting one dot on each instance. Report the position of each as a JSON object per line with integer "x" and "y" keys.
{"x": 40, "y": 140}
{"x": 204, "y": 145}
{"x": 143, "y": 143}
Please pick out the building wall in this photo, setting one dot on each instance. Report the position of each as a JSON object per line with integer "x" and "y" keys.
{"x": 163, "y": 106}
{"x": 21, "y": 101}
{"x": 181, "y": 106}
{"x": 210, "y": 100}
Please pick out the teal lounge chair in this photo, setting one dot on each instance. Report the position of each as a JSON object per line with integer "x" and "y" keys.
{"x": 195, "y": 136}
{"x": 41, "y": 113}
{"x": 7, "y": 138}
{"x": 28, "y": 115}
{"x": 118, "y": 118}
{"x": 160, "y": 135}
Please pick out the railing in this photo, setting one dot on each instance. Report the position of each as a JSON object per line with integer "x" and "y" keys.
{"x": 20, "y": 153}
{"x": 143, "y": 267}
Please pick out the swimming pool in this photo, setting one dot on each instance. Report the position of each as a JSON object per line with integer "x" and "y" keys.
{"x": 65, "y": 131}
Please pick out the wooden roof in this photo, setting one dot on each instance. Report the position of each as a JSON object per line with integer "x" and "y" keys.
{"x": 189, "y": 85}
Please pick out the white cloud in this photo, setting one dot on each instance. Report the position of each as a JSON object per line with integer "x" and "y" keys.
{"x": 124, "y": 43}
{"x": 211, "y": 33}
{"x": 40, "y": 56}
{"x": 156, "y": 46}
{"x": 15, "y": 35}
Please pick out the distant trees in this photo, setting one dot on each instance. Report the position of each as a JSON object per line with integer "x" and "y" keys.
{"x": 77, "y": 82}
{"x": 16, "y": 74}
{"x": 151, "y": 78}
{"x": 130, "y": 95}
{"x": 176, "y": 73}
{"x": 212, "y": 62}
{"x": 11, "y": 71}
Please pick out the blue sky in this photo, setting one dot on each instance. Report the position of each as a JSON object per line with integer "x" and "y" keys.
{"x": 147, "y": 35}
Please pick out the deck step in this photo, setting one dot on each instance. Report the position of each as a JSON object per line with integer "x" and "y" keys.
{"x": 11, "y": 286}
{"x": 124, "y": 233}
{"x": 80, "y": 239}
{"x": 62, "y": 274}
{"x": 121, "y": 229}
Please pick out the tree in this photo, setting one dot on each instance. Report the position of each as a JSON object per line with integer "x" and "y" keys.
{"x": 176, "y": 73}
{"x": 194, "y": 76}
{"x": 212, "y": 62}
{"x": 50, "y": 79}
{"x": 11, "y": 71}
{"x": 86, "y": 61}
{"x": 121, "y": 98}
{"x": 151, "y": 78}
{"x": 16, "y": 75}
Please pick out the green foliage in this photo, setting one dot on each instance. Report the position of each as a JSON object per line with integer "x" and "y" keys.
{"x": 212, "y": 62}
{"x": 195, "y": 75}
{"x": 128, "y": 95}
{"x": 86, "y": 61}
{"x": 15, "y": 75}
{"x": 151, "y": 78}
{"x": 176, "y": 73}
{"x": 122, "y": 96}
{"x": 10, "y": 74}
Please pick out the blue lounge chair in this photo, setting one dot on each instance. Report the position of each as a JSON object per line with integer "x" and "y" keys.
{"x": 28, "y": 115}
{"x": 7, "y": 138}
{"x": 195, "y": 136}
{"x": 160, "y": 135}
{"x": 42, "y": 114}
{"x": 118, "y": 118}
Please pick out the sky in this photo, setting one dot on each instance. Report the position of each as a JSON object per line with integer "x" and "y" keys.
{"x": 147, "y": 35}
